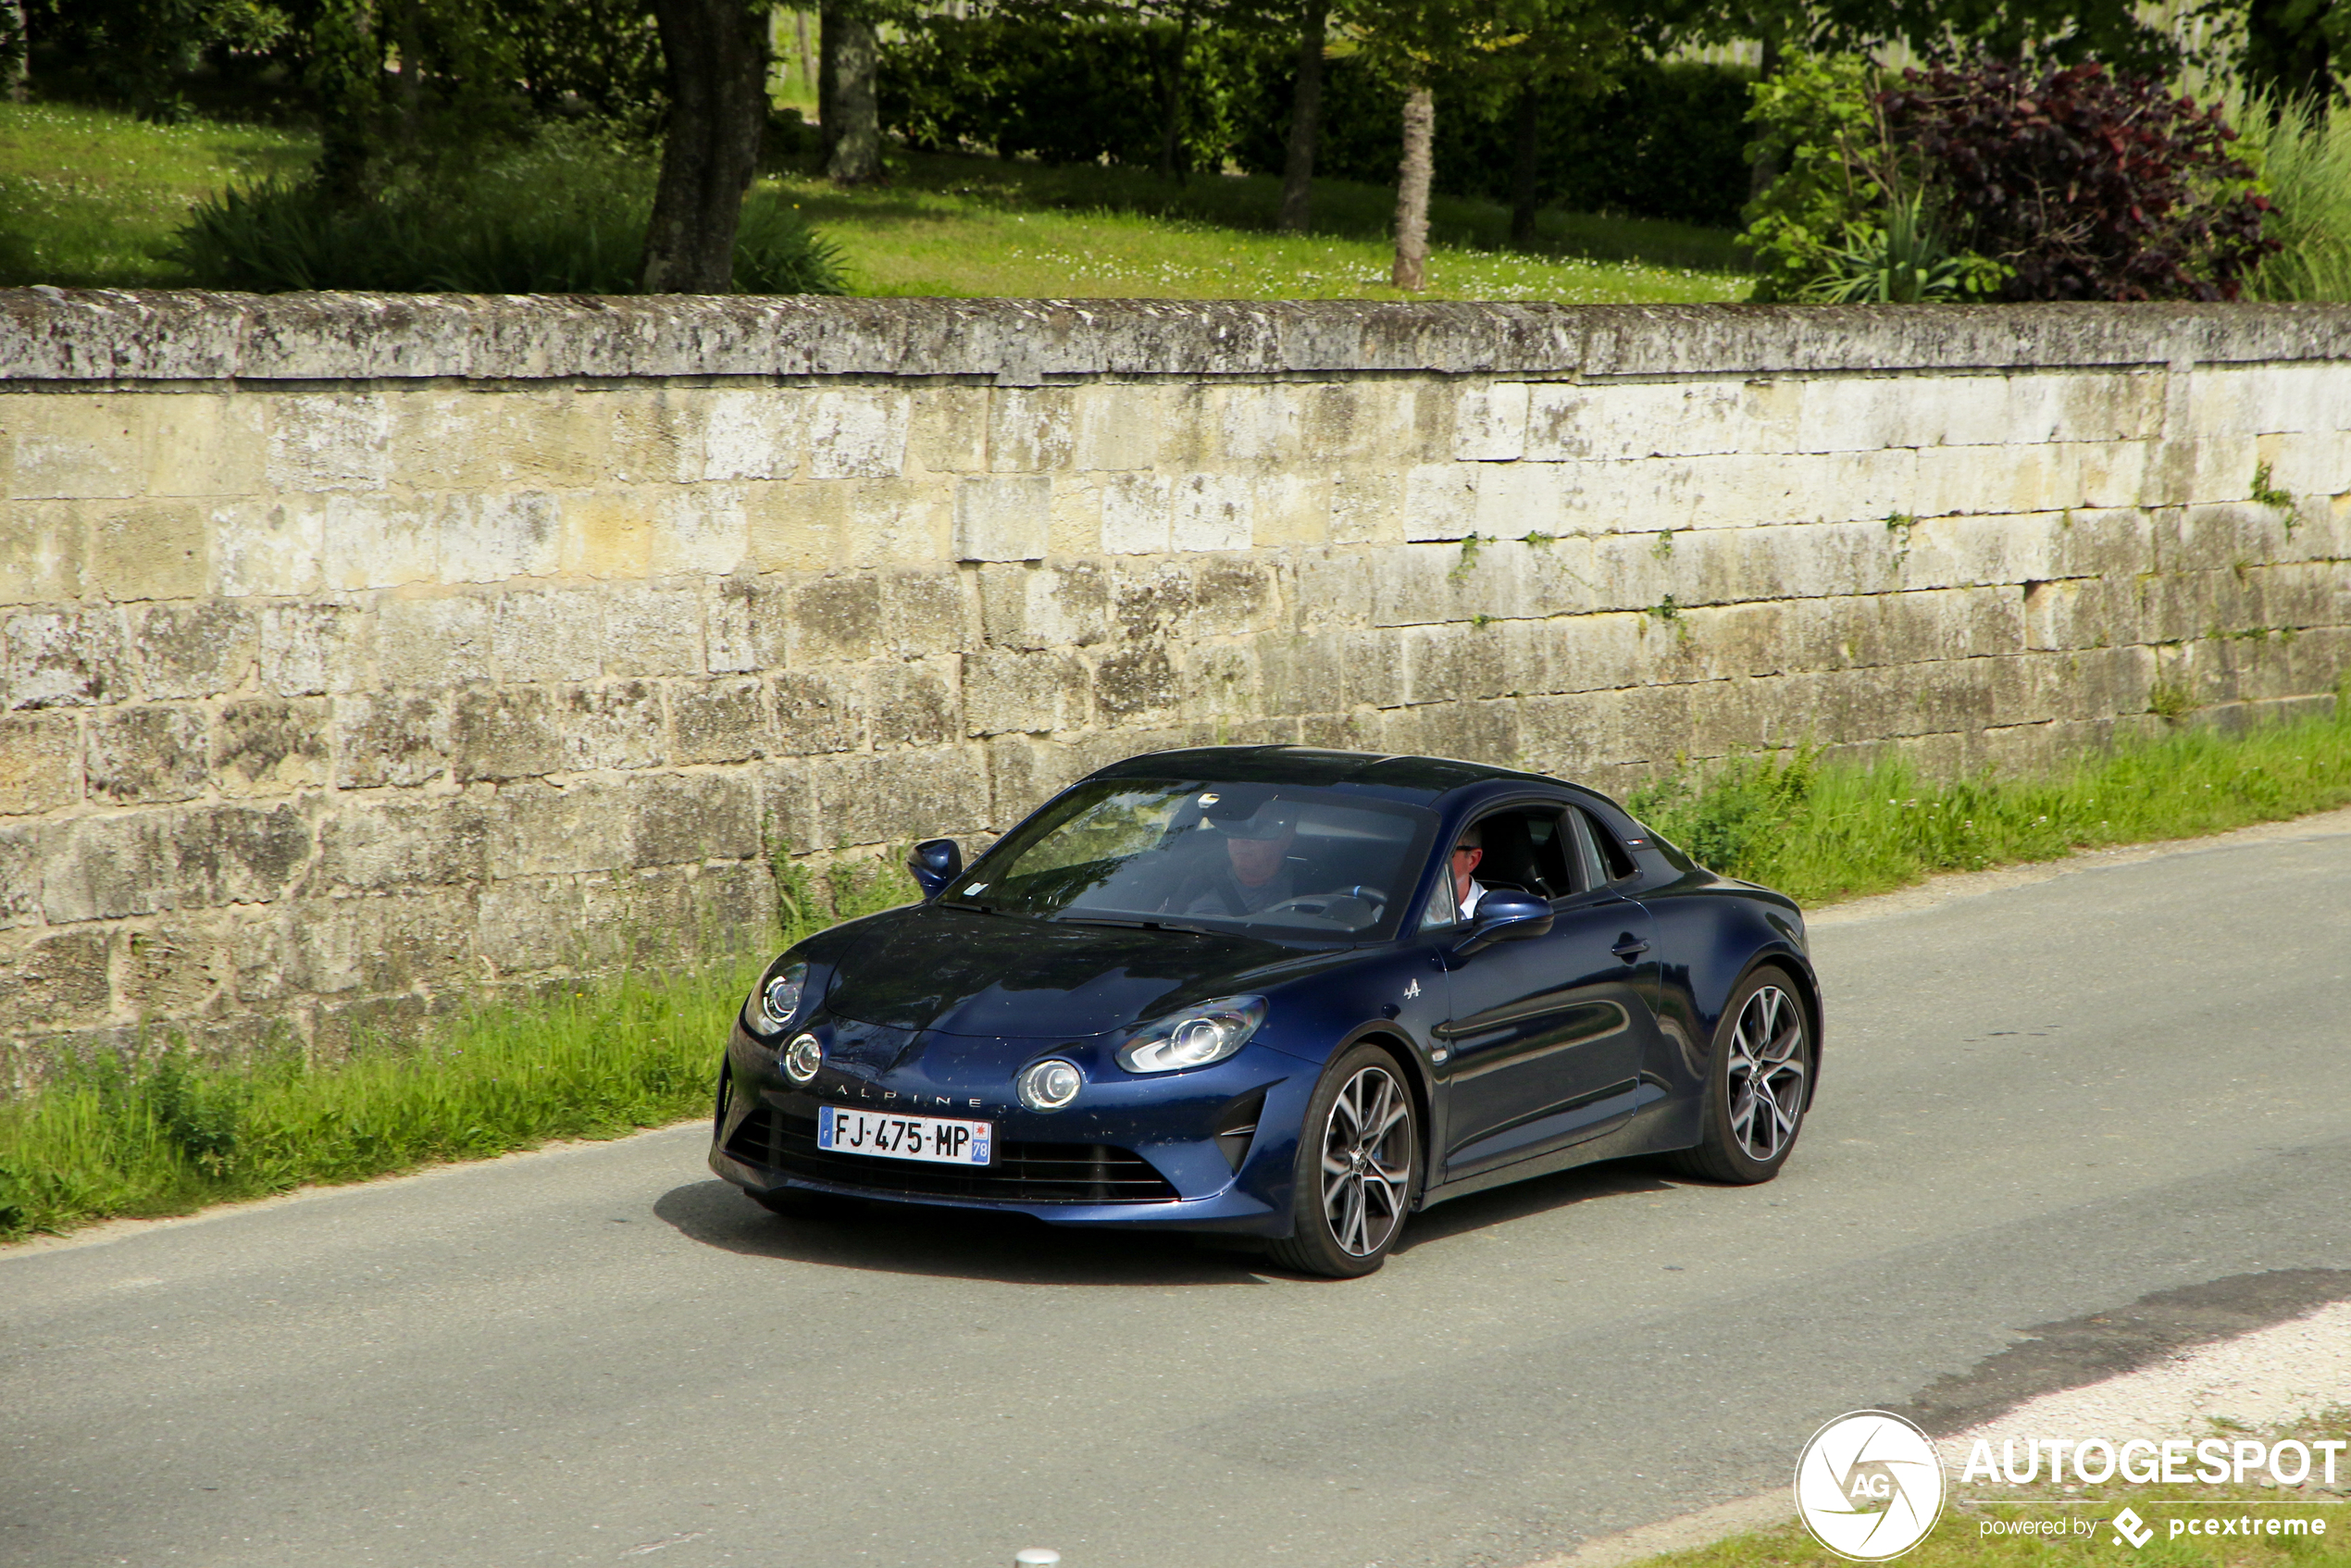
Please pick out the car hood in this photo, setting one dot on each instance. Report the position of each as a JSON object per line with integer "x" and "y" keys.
{"x": 961, "y": 972}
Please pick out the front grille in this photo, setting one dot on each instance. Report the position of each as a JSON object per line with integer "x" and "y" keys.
{"x": 1024, "y": 1173}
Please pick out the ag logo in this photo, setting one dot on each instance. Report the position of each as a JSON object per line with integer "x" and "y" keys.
{"x": 1870, "y": 1485}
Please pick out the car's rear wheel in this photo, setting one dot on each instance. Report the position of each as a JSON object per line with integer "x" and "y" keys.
{"x": 1358, "y": 1159}
{"x": 1756, "y": 1084}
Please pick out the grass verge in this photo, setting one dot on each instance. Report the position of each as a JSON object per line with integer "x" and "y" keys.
{"x": 1820, "y": 831}
{"x": 166, "y": 1134}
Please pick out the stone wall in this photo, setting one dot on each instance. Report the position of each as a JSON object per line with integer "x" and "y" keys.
{"x": 355, "y": 653}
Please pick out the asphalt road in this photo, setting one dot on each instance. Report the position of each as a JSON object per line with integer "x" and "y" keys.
{"x": 2038, "y": 1103}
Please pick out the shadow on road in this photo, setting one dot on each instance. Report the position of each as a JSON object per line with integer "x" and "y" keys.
{"x": 970, "y": 1244}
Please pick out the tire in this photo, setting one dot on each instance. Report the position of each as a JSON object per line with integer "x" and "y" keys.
{"x": 1359, "y": 1156}
{"x": 1764, "y": 1042}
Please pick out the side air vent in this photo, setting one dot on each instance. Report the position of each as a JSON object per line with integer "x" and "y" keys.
{"x": 1237, "y": 1128}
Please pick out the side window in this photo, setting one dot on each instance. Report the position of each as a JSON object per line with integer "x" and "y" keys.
{"x": 1610, "y": 861}
{"x": 1441, "y": 909}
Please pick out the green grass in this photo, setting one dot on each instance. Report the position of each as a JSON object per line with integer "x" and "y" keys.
{"x": 168, "y": 1133}
{"x": 89, "y": 197}
{"x": 1821, "y": 832}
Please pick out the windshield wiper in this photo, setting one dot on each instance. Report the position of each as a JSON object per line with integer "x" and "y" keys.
{"x": 1136, "y": 925}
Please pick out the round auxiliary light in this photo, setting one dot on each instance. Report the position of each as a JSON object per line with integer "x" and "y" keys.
{"x": 801, "y": 1058}
{"x": 1049, "y": 1085}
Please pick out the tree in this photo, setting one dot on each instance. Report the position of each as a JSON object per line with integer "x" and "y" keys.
{"x": 1305, "y": 119}
{"x": 1575, "y": 47}
{"x": 847, "y": 109}
{"x": 717, "y": 57}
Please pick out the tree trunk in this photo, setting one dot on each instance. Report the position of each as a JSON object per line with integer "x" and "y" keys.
{"x": 807, "y": 56}
{"x": 828, "y": 25}
{"x": 1526, "y": 163}
{"x": 856, "y": 157}
{"x": 1766, "y": 166}
{"x": 13, "y": 50}
{"x": 1172, "y": 103}
{"x": 1305, "y": 120}
{"x": 1411, "y": 191}
{"x": 717, "y": 52}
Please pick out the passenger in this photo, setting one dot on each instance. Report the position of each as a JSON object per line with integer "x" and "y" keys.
{"x": 1467, "y": 853}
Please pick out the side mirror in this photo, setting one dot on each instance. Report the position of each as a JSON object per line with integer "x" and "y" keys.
{"x": 935, "y": 863}
{"x": 1503, "y": 916}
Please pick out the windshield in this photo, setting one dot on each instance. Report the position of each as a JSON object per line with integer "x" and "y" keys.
{"x": 1274, "y": 860}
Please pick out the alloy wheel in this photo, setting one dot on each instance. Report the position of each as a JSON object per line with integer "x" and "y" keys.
{"x": 1766, "y": 1074}
{"x": 1367, "y": 1161}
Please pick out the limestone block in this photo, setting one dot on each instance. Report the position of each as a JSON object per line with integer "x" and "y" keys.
{"x": 2083, "y": 684}
{"x": 912, "y": 704}
{"x": 308, "y": 648}
{"x": 1365, "y": 507}
{"x": 176, "y": 969}
{"x": 615, "y": 725}
{"x": 149, "y": 753}
{"x": 739, "y": 434}
{"x": 149, "y": 550}
{"x": 503, "y": 535}
{"x": 2302, "y": 594}
{"x": 705, "y": 529}
{"x": 857, "y": 433}
{"x": 1258, "y": 423}
{"x": 896, "y": 521}
{"x": 42, "y": 552}
{"x": 818, "y": 713}
{"x": 1224, "y": 698}
{"x": 2308, "y": 463}
{"x": 328, "y": 441}
{"x": 1219, "y": 594}
{"x": 1060, "y": 604}
{"x": 834, "y": 619}
{"x": 2216, "y": 538}
{"x": 506, "y": 733}
{"x": 2089, "y": 542}
{"x": 527, "y": 923}
{"x": 1574, "y": 652}
{"x": 2220, "y": 468}
{"x": 83, "y": 447}
{"x": 1359, "y": 732}
{"x": 1302, "y": 673}
{"x": 193, "y": 648}
{"x": 927, "y": 610}
{"x": 1375, "y": 668}
{"x": 1515, "y": 500}
{"x": 1137, "y": 683}
{"x": 1031, "y": 428}
{"x": 556, "y": 635}
{"x": 1349, "y": 421}
{"x": 389, "y": 539}
{"x": 439, "y": 642}
{"x": 653, "y": 630}
{"x": 1960, "y": 552}
{"x": 1733, "y": 642}
{"x": 416, "y": 841}
{"x": 1489, "y": 422}
{"x": 1453, "y": 663}
{"x": 270, "y": 745}
{"x": 187, "y": 858}
{"x": 23, "y": 855}
{"x": 947, "y": 430}
{"x": 1440, "y": 501}
{"x": 1134, "y": 515}
{"x": 2242, "y": 399}
{"x": 1327, "y": 588}
{"x": 2081, "y": 613}
{"x": 400, "y": 739}
{"x": 537, "y": 829}
{"x": 1620, "y": 421}
{"x": 720, "y": 721}
{"x": 749, "y": 627}
{"x": 1003, "y": 517}
{"x": 1487, "y": 732}
{"x": 59, "y": 981}
{"x": 2106, "y": 407}
{"x": 892, "y": 797}
{"x": 39, "y": 762}
{"x": 1290, "y": 506}
{"x": 269, "y": 547}
{"x": 205, "y": 443}
{"x": 1037, "y": 692}
{"x": 609, "y": 533}
{"x": 1114, "y": 428}
{"x": 68, "y": 657}
{"x": 675, "y": 818}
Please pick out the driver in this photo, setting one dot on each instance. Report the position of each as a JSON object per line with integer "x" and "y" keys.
{"x": 1256, "y": 871}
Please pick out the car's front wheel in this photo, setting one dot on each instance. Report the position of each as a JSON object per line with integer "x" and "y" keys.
{"x": 1757, "y": 1085}
{"x": 1358, "y": 1158}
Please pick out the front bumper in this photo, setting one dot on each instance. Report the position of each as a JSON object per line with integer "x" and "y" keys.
{"x": 1132, "y": 1152}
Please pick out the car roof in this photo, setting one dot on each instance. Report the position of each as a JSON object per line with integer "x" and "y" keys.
{"x": 1423, "y": 780}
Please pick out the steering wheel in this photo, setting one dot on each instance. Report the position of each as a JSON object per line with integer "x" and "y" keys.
{"x": 1317, "y": 904}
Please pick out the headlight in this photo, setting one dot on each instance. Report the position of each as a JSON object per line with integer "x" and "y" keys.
{"x": 1049, "y": 1085}
{"x": 772, "y": 1008}
{"x": 1195, "y": 1037}
{"x": 801, "y": 1058}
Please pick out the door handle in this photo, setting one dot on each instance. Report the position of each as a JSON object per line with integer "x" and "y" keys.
{"x": 1629, "y": 947}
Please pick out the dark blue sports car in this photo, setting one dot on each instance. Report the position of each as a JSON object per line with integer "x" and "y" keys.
{"x": 1282, "y": 992}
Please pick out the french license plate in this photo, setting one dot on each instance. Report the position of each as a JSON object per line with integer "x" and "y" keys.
{"x": 935, "y": 1139}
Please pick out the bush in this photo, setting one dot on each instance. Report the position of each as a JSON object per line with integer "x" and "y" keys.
{"x": 2303, "y": 148}
{"x": 1817, "y": 123}
{"x": 2086, "y": 183}
{"x": 558, "y": 219}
